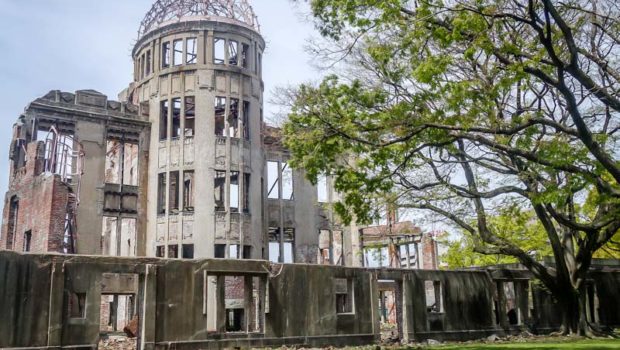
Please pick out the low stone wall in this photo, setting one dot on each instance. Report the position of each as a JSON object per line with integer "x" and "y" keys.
{"x": 54, "y": 301}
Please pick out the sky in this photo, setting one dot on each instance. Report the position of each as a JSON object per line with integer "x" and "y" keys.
{"x": 72, "y": 45}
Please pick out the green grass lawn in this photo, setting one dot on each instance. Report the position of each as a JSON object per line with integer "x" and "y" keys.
{"x": 604, "y": 344}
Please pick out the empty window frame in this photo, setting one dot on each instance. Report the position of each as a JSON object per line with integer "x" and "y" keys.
{"x": 173, "y": 251}
{"x": 322, "y": 190}
{"x": 191, "y": 56}
{"x": 220, "y": 115}
{"x": 149, "y": 62}
{"x": 245, "y": 50}
{"x": 165, "y": 55}
{"x": 233, "y": 118}
{"x": 142, "y": 64}
{"x": 433, "y": 291}
{"x": 246, "y": 120}
{"x": 109, "y": 236}
{"x": 234, "y": 252}
{"x": 190, "y": 116}
{"x": 177, "y": 58}
{"x": 338, "y": 247}
{"x": 273, "y": 180}
{"x": 27, "y": 241}
{"x": 160, "y": 251}
{"x": 13, "y": 220}
{"x": 188, "y": 251}
{"x": 289, "y": 245}
{"x": 114, "y": 154}
{"x": 161, "y": 194}
{"x": 246, "y": 193}
{"x": 233, "y": 53}
{"x": 188, "y": 191}
{"x": 219, "y": 190}
{"x": 345, "y": 299}
{"x": 121, "y": 163}
{"x": 128, "y": 238}
{"x": 219, "y": 251}
{"x": 176, "y": 118}
{"x": 163, "y": 120}
{"x": 234, "y": 191}
{"x": 173, "y": 191}
{"x": 130, "y": 164}
{"x": 219, "y": 51}
{"x": 76, "y": 305}
{"x": 274, "y": 244}
{"x": 325, "y": 248}
{"x": 287, "y": 182}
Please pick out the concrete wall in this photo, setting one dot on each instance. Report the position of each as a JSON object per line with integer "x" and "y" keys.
{"x": 285, "y": 305}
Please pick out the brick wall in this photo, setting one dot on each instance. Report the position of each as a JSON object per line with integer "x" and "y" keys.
{"x": 42, "y": 200}
{"x": 429, "y": 253}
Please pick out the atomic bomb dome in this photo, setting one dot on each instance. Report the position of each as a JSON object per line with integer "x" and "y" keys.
{"x": 166, "y": 12}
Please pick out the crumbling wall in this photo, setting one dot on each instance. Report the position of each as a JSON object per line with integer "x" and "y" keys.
{"x": 41, "y": 200}
{"x": 55, "y": 301}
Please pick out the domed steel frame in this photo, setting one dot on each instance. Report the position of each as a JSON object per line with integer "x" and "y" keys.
{"x": 170, "y": 11}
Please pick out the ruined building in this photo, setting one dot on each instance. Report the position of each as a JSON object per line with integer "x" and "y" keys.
{"x": 142, "y": 197}
{"x": 184, "y": 167}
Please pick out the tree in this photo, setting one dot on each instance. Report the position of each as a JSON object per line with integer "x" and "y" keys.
{"x": 466, "y": 108}
{"x": 511, "y": 223}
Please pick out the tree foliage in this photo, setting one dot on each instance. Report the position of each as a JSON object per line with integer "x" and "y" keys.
{"x": 469, "y": 108}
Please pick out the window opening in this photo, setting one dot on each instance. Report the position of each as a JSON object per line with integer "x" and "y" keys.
{"x": 142, "y": 66}
{"x": 165, "y": 55}
{"x": 434, "y": 302}
{"x": 163, "y": 121}
{"x": 235, "y": 303}
{"x": 192, "y": 51}
{"x": 274, "y": 244}
{"x": 322, "y": 190}
{"x": 130, "y": 164}
{"x": 178, "y": 53}
{"x": 343, "y": 289}
{"x": 220, "y": 112}
{"x": 160, "y": 251}
{"x": 289, "y": 245}
{"x": 188, "y": 251}
{"x": 287, "y": 182}
{"x": 76, "y": 305}
{"x": 233, "y": 53}
{"x": 13, "y": 216}
{"x": 173, "y": 251}
{"x": 246, "y": 120}
{"x": 220, "y": 251}
{"x": 338, "y": 248}
{"x": 512, "y": 311}
{"x": 161, "y": 194}
{"x": 234, "y": 191}
{"x": 273, "y": 179}
{"x": 149, "y": 62}
{"x": 173, "y": 195}
{"x": 27, "y": 240}
{"x": 233, "y": 118}
{"x": 188, "y": 191}
{"x": 244, "y": 55}
{"x": 176, "y": 118}
{"x": 219, "y": 51}
{"x": 324, "y": 257}
{"x": 246, "y": 193}
{"x": 128, "y": 237}
{"x": 219, "y": 190}
{"x": 190, "y": 116}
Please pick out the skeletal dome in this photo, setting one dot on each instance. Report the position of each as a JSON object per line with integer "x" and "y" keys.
{"x": 166, "y": 12}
